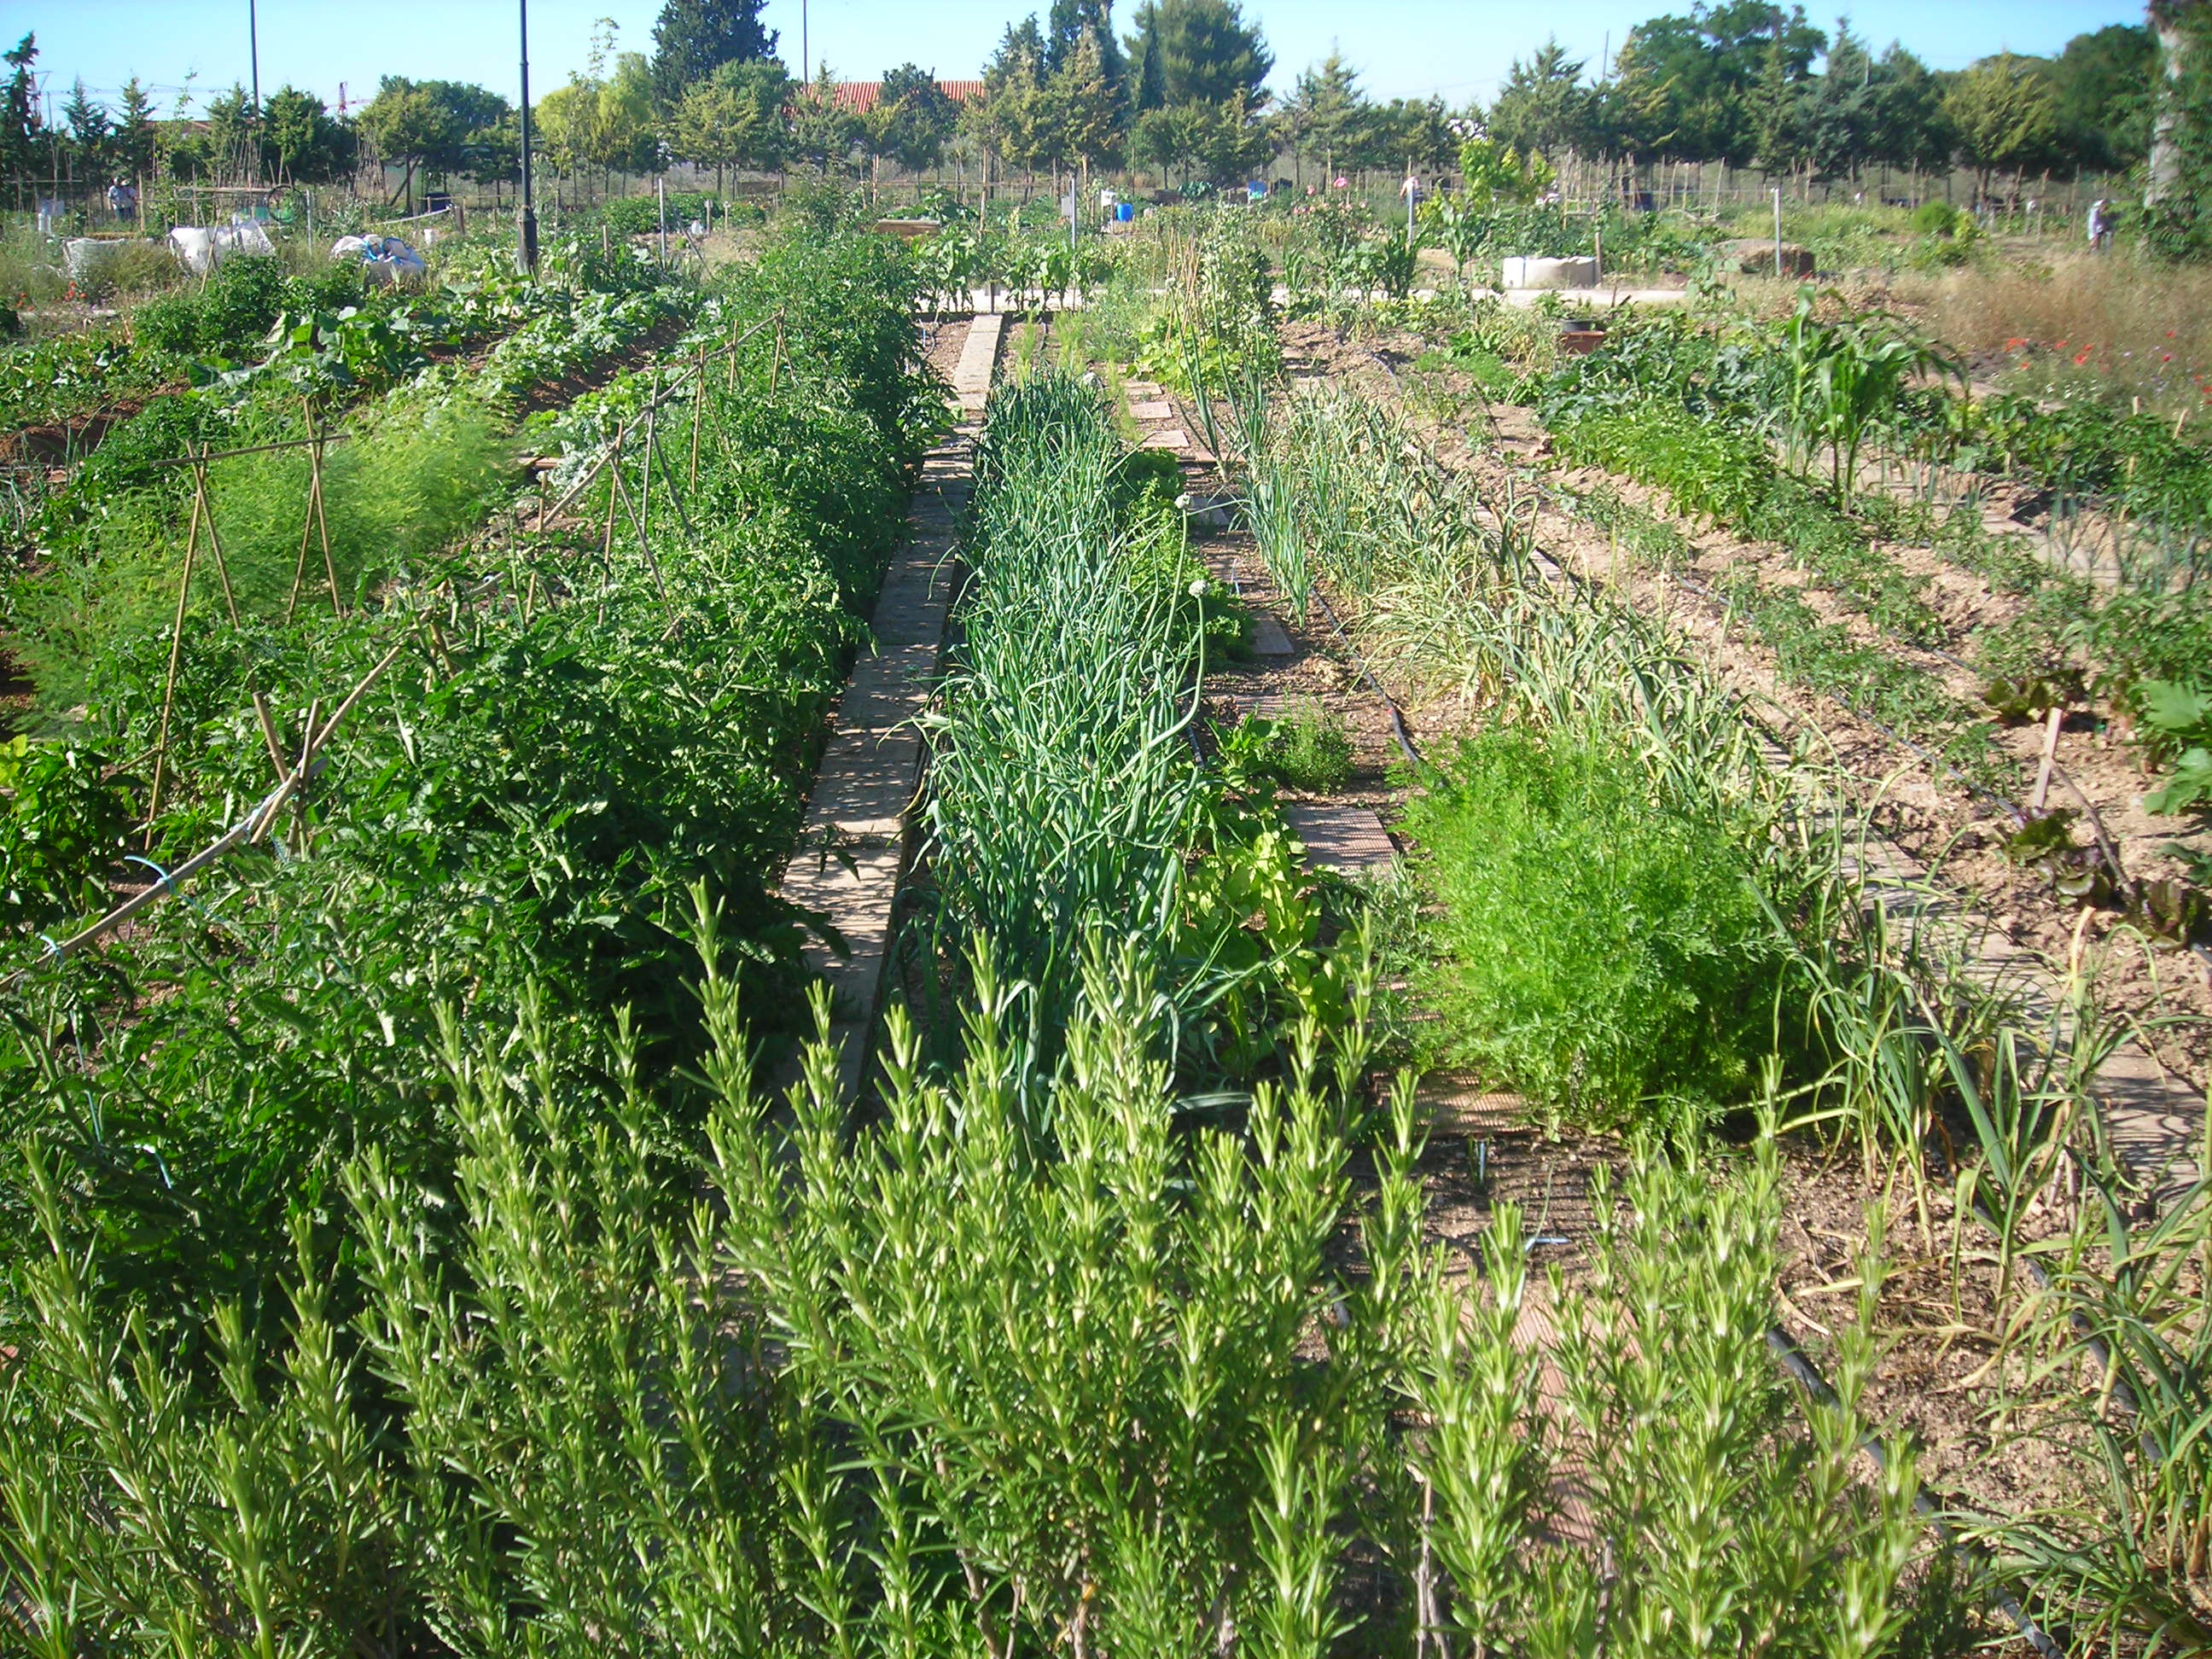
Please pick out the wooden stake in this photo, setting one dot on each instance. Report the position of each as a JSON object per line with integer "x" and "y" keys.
{"x": 176, "y": 654}
{"x": 2051, "y": 723}
{"x": 644, "y": 545}
{"x": 698, "y": 415}
{"x": 322, "y": 520}
{"x": 205, "y": 509}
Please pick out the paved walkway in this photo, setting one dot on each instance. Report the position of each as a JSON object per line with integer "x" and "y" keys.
{"x": 859, "y": 839}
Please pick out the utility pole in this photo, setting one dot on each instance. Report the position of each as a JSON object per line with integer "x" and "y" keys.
{"x": 805, "y": 62}
{"x": 253, "y": 62}
{"x": 527, "y": 219}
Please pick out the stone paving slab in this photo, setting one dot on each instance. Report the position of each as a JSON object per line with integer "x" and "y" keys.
{"x": 1173, "y": 438}
{"x": 1343, "y": 838}
{"x": 1152, "y": 408}
{"x": 1268, "y": 639}
{"x": 857, "y": 839}
{"x": 979, "y": 354}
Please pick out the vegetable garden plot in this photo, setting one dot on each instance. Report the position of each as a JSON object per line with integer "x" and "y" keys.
{"x": 515, "y": 813}
{"x": 1910, "y": 719}
{"x": 1529, "y": 658}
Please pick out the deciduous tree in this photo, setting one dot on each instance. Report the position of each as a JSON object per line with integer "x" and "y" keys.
{"x": 732, "y": 118}
{"x": 305, "y": 144}
{"x": 2003, "y": 113}
{"x": 435, "y": 127}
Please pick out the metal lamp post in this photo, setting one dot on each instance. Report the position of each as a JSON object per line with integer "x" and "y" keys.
{"x": 527, "y": 219}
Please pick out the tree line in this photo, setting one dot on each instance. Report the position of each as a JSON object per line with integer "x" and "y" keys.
{"x": 1745, "y": 82}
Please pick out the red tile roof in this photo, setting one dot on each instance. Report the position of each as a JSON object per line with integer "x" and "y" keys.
{"x": 860, "y": 96}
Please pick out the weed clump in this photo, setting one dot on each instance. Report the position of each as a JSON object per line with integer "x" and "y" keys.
{"x": 1306, "y": 750}
{"x": 1600, "y": 949}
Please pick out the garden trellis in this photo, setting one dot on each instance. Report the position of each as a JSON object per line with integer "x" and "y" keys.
{"x": 293, "y": 776}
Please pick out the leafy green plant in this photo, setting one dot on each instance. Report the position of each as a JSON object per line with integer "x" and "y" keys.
{"x": 1065, "y": 794}
{"x": 2182, "y": 718}
{"x": 62, "y": 820}
{"x": 1603, "y": 951}
{"x": 1846, "y": 378}
{"x": 1306, "y": 750}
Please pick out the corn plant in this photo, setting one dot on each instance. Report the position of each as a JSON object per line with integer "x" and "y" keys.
{"x": 1846, "y": 379}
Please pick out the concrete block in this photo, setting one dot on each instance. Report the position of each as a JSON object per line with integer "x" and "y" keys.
{"x": 1529, "y": 270}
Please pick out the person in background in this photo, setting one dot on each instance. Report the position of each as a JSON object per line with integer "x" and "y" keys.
{"x": 123, "y": 200}
{"x": 2100, "y": 225}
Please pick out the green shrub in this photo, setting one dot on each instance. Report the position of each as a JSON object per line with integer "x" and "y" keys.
{"x": 640, "y": 215}
{"x": 1601, "y": 949}
{"x": 60, "y": 819}
{"x": 168, "y": 326}
{"x": 1936, "y": 219}
{"x": 237, "y": 305}
{"x": 1308, "y": 750}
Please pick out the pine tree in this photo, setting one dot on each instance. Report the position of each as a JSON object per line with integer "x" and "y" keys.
{"x": 1331, "y": 109}
{"x": 912, "y": 118}
{"x": 90, "y": 128}
{"x": 1198, "y": 52}
{"x": 1082, "y": 105}
{"x": 1544, "y": 106}
{"x": 19, "y": 108}
{"x": 134, "y": 132}
{"x": 695, "y": 38}
{"x": 2004, "y": 112}
{"x": 1073, "y": 21}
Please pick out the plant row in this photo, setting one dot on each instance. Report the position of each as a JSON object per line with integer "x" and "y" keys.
{"x": 572, "y": 731}
{"x": 1631, "y": 918}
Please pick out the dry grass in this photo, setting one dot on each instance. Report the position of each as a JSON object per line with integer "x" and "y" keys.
{"x": 2111, "y": 324}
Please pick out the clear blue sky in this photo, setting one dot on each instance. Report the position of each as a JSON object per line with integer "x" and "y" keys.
{"x": 1460, "y": 48}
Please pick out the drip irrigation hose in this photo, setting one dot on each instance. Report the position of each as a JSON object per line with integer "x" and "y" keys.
{"x": 1397, "y": 717}
{"x": 1799, "y": 1364}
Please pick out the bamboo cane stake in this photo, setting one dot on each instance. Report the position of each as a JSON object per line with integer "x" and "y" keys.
{"x": 204, "y": 506}
{"x": 698, "y": 414}
{"x": 638, "y": 523}
{"x": 315, "y": 496}
{"x": 245, "y": 830}
{"x": 205, "y": 510}
{"x": 176, "y": 654}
